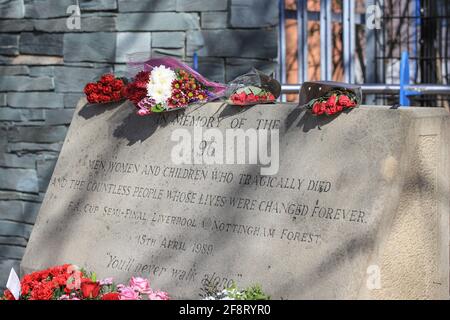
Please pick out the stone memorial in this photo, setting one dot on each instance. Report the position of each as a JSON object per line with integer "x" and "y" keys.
{"x": 348, "y": 207}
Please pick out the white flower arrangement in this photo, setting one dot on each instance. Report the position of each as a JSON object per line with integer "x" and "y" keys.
{"x": 159, "y": 87}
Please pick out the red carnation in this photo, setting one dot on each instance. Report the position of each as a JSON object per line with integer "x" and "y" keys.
{"x": 111, "y": 296}
{"x": 90, "y": 289}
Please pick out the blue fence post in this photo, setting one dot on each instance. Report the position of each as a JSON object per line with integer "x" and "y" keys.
{"x": 195, "y": 62}
{"x": 404, "y": 78}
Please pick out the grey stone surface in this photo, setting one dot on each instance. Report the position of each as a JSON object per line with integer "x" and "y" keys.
{"x": 78, "y": 77}
{"x": 148, "y": 5}
{"x": 55, "y": 117}
{"x": 45, "y": 100}
{"x": 98, "y": 47}
{"x": 33, "y": 147}
{"x": 366, "y": 188}
{"x": 14, "y": 195}
{"x": 9, "y": 44}
{"x": 13, "y": 241}
{"x": 71, "y": 99}
{"x": 168, "y": 39}
{"x": 233, "y": 43}
{"x": 42, "y": 71}
{"x": 44, "y": 171}
{"x": 19, "y": 211}
{"x": 37, "y": 134}
{"x": 202, "y": 5}
{"x": 11, "y": 252}
{"x": 41, "y": 44}
{"x": 16, "y": 25}
{"x": 169, "y": 21}
{"x": 98, "y": 5}
{"x": 2, "y": 99}
{"x": 162, "y": 52}
{"x": 19, "y": 179}
{"x": 14, "y": 71}
{"x": 131, "y": 42}
{"x": 12, "y": 9}
{"x": 253, "y": 13}
{"x": 5, "y": 268}
{"x": 214, "y": 20}
{"x": 212, "y": 68}
{"x": 14, "y": 114}
{"x": 15, "y": 229}
{"x": 236, "y": 67}
{"x": 15, "y": 161}
{"x": 22, "y": 83}
{"x": 88, "y": 23}
{"x": 39, "y": 9}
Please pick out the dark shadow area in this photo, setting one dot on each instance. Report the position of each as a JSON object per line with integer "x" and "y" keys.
{"x": 91, "y": 110}
{"x": 308, "y": 121}
{"x": 136, "y": 128}
{"x": 230, "y": 110}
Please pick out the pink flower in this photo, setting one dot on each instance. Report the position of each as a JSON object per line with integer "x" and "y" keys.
{"x": 158, "y": 295}
{"x": 143, "y": 112}
{"x": 140, "y": 285}
{"x": 128, "y": 293}
{"x": 106, "y": 282}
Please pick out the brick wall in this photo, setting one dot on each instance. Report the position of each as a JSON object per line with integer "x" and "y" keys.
{"x": 44, "y": 64}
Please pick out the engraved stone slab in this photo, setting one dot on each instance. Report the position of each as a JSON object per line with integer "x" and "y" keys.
{"x": 359, "y": 207}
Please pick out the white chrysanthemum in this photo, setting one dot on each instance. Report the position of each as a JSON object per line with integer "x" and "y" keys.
{"x": 159, "y": 87}
{"x": 162, "y": 75}
{"x": 159, "y": 93}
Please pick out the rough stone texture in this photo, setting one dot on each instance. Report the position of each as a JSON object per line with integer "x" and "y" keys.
{"x": 45, "y": 63}
{"x": 168, "y": 39}
{"x": 39, "y": 9}
{"x": 234, "y": 43}
{"x": 21, "y": 83}
{"x": 157, "y": 21}
{"x": 45, "y": 100}
{"x": 19, "y": 179}
{"x": 253, "y": 13}
{"x": 42, "y": 44}
{"x": 368, "y": 191}
{"x": 78, "y": 78}
{"x": 9, "y": 44}
{"x": 236, "y": 67}
{"x": 98, "y": 5}
{"x": 12, "y": 9}
{"x": 88, "y": 23}
{"x": 148, "y": 5}
{"x": 16, "y": 25}
{"x": 201, "y": 5}
{"x": 214, "y": 20}
{"x": 131, "y": 42}
{"x": 90, "y": 47}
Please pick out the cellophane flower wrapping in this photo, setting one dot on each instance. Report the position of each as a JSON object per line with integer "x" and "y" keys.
{"x": 166, "y": 84}
{"x": 252, "y": 88}
{"x": 329, "y": 98}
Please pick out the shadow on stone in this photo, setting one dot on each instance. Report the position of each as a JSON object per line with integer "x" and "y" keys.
{"x": 136, "y": 128}
{"x": 308, "y": 121}
{"x": 91, "y": 110}
{"x": 230, "y": 110}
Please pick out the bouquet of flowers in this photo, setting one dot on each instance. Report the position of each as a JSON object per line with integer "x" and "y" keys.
{"x": 165, "y": 84}
{"x": 108, "y": 89}
{"x": 333, "y": 102}
{"x": 329, "y": 98}
{"x": 67, "y": 282}
{"x": 252, "y": 88}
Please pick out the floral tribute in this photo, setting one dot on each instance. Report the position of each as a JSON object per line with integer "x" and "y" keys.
{"x": 232, "y": 292}
{"x": 251, "y": 88}
{"x": 67, "y": 282}
{"x": 165, "y": 84}
{"x": 107, "y": 89}
{"x": 251, "y": 95}
{"x": 333, "y": 102}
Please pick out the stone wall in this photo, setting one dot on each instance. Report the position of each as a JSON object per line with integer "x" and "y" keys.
{"x": 45, "y": 62}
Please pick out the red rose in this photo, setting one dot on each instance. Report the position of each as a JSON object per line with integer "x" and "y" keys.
{"x": 271, "y": 97}
{"x": 107, "y": 78}
{"x": 90, "y": 289}
{"x": 331, "y": 101}
{"x": 8, "y": 295}
{"x": 316, "y": 108}
{"x": 111, "y": 296}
